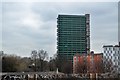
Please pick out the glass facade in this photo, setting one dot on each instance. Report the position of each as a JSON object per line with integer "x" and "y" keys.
{"x": 72, "y": 35}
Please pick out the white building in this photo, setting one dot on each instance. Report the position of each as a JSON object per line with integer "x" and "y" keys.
{"x": 111, "y": 58}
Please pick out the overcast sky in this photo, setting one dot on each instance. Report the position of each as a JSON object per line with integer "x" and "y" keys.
{"x": 29, "y": 26}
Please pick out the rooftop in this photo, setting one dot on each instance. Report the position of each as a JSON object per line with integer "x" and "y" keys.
{"x": 111, "y": 46}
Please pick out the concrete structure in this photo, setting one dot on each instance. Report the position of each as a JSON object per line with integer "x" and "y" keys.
{"x": 111, "y": 55}
{"x": 73, "y": 35}
{"x": 90, "y": 63}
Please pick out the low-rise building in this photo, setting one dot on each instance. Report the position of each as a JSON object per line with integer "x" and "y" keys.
{"x": 88, "y": 63}
{"x": 95, "y": 63}
{"x": 111, "y": 58}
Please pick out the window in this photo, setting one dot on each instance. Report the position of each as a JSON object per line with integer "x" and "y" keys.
{"x": 111, "y": 51}
{"x": 113, "y": 48}
{"x": 104, "y": 51}
{"x": 109, "y": 48}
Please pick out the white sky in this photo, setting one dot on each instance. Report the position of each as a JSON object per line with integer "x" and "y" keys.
{"x": 59, "y": 0}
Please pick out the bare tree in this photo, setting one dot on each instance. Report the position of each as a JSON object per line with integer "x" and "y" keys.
{"x": 34, "y": 56}
{"x": 67, "y": 67}
{"x": 42, "y": 54}
{"x": 11, "y": 63}
{"x": 108, "y": 65}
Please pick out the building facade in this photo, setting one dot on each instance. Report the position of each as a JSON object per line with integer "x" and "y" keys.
{"x": 79, "y": 64}
{"x": 90, "y": 63}
{"x": 73, "y": 35}
{"x": 111, "y": 55}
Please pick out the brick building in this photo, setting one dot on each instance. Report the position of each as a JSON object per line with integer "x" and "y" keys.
{"x": 88, "y": 63}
